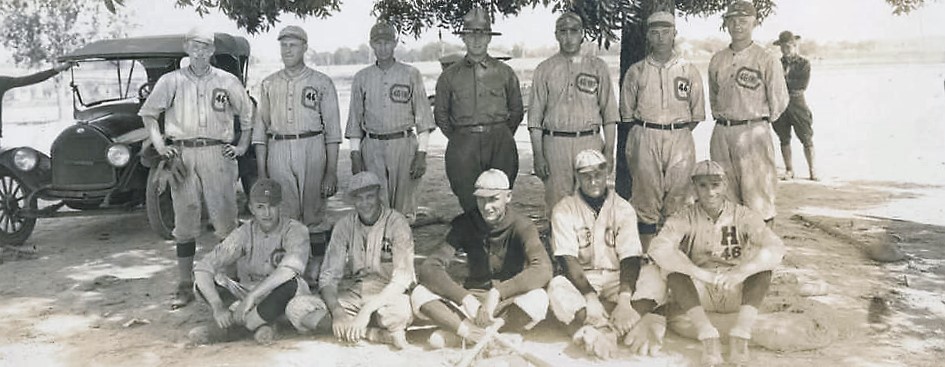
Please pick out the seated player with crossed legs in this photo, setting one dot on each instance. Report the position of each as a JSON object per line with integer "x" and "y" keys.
{"x": 719, "y": 256}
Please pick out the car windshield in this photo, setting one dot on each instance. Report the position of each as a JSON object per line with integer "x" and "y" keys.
{"x": 97, "y": 82}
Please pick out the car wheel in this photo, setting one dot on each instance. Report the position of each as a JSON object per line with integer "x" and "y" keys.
{"x": 14, "y": 227}
{"x": 160, "y": 208}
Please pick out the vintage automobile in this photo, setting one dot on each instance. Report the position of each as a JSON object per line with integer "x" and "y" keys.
{"x": 103, "y": 163}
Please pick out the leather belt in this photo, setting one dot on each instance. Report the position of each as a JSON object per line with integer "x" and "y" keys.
{"x": 391, "y": 136}
{"x": 479, "y": 128}
{"x": 198, "y": 142}
{"x": 570, "y": 134}
{"x": 294, "y": 136}
{"x": 650, "y": 125}
{"x": 730, "y": 123}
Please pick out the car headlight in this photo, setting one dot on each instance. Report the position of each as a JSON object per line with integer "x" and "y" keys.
{"x": 25, "y": 159}
{"x": 118, "y": 155}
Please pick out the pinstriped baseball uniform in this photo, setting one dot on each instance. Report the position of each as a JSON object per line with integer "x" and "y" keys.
{"x": 385, "y": 102}
{"x": 747, "y": 85}
{"x": 361, "y": 260}
{"x": 305, "y": 103}
{"x": 660, "y": 160}
{"x": 570, "y": 95}
{"x": 201, "y": 107}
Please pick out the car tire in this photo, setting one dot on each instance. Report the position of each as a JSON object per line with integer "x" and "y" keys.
{"x": 14, "y": 227}
{"x": 160, "y": 208}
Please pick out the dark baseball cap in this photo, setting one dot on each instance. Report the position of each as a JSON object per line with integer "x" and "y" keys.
{"x": 266, "y": 191}
{"x": 741, "y": 9}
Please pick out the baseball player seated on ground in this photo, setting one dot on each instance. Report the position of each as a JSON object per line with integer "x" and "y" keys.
{"x": 594, "y": 232}
{"x": 368, "y": 268}
{"x": 269, "y": 252}
{"x": 719, "y": 256}
{"x": 508, "y": 269}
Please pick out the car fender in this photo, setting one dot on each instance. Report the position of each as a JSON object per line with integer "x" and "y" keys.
{"x": 39, "y": 176}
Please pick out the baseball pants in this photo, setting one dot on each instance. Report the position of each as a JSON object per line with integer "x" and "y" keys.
{"x": 533, "y": 303}
{"x": 660, "y": 162}
{"x": 746, "y": 152}
{"x": 390, "y": 160}
{"x": 798, "y": 116}
{"x": 299, "y": 166}
{"x": 211, "y": 179}
{"x": 271, "y": 306}
{"x": 566, "y": 300}
{"x": 468, "y": 154}
{"x": 393, "y": 316}
{"x": 560, "y": 152}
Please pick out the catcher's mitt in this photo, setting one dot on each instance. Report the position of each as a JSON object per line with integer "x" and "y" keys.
{"x": 170, "y": 171}
{"x": 600, "y": 342}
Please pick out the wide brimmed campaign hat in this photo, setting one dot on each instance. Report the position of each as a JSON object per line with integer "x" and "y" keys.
{"x": 477, "y": 21}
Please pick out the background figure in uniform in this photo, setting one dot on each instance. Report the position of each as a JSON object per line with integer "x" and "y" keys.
{"x": 719, "y": 256}
{"x": 198, "y": 103}
{"x": 572, "y": 98}
{"x": 269, "y": 253}
{"x": 478, "y": 107}
{"x": 746, "y": 91}
{"x": 10, "y": 82}
{"x": 388, "y": 104}
{"x": 797, "y": 114}
{"x": 368, "y": 269}
{"x": 298, "y": 132}
{"x": 595, "y": 237}
{"x": 507, "y": 264}
{"x": 662, "y": 97}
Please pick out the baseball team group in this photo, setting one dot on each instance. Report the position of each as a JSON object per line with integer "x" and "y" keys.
{"x": 694, "y": 238}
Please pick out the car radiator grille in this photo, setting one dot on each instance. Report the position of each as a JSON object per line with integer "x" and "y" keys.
{"x": 78, "y": 160}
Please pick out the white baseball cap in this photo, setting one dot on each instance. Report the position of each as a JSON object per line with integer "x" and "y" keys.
{"x": 661, "y": 18}
{"x": 589, "y": 160}
{"x": 492, "y": 182}
{"x": 708, "y": 168}
{"x": 200, "y": 34}
{"x": 362, "y": 181}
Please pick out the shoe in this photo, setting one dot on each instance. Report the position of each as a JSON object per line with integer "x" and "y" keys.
{"x": 440, "y": 339}
{"x": 738, "y": 351}
{"x": 206, "y": 334}
{"x": 397, "y": 339}
{"x": 788, "y": 175}
{"x": 814, "y": 176}
{"x": 265, "y": 335}
{"x": 183, "y": 296}
{"x": 712, "y": 352}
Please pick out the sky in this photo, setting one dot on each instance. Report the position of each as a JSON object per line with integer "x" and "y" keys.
{"x": 822, "y": 20}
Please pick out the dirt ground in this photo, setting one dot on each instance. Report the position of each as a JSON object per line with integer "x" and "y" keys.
{"x": 94, "y": 291}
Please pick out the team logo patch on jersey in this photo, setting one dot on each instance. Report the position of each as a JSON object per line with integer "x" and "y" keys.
{"x": 683, "y": 88}
{"x": 731, "y": 248}
{"x": 220, "y": 100}
{"x": 587, "y": 83}
{"x": 610, "y": 237}
{"x": 585, "y": 237}
{"x": 276, "y": 257}
{"x": 400, "y": 93}
{"x": 748, "y": 78}
{"x": 387, "y": 250}
{"x": 311, "y": 98}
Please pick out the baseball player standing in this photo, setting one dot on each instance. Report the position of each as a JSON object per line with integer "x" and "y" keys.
{"x": 572, "y": 98}
{"x": 797, "y": 114}
{"x": 719, "y": 256}
{"x": 298, "y": 132}
{"x": 662, "y": 97}
{"x": 595, "y": 236}
{"x": 478, "y": 107}
{"x": 746, "y": 92}
{"x": 199, "y": 103}
{"x": 389, "y": 103}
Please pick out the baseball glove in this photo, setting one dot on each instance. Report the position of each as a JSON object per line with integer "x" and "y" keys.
{"x": 170, "y": 171}
{"x": 600, "y": 342}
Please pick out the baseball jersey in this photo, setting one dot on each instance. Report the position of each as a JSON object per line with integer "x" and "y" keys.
{"x": 292, "y": 105}
{"x": 747, "y": 84}
{"x": 383, "y": 250}
{"x": 572, "y": 94}
{"x": 199, "y": 106}
{"x": 8, "y": 82}
{"x": 598, "y": 241}
{"x": 662, "y": 93}
{"x": 724, "y": 242}
{"x": 475, "y": 93}
{"x": 388, "y": 101}
{"x": 257, "y": 253}
{"x": 796, "y": 73}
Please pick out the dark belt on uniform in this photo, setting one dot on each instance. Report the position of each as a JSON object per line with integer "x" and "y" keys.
{"x": 725, "y": 122}
{"x": 391, "y": 136}
{"x": 650, "y": 125}
{"x": 478, "y": 128}
{"x": 198, "y": 142}
{"x": 570, "y": 134}
{"x": 294, "y": 136}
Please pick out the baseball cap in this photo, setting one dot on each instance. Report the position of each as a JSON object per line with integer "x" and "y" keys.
{"x": 361, "y": 182}
{"x": 200, "y": 35}
{"x": 708, "y": 168}
{"x": 491, "y": 182}
{"x": 786, "y": 37}
{"x": 741, "y": 9}
{"x": 589, "y": 160}
{"x": 266, "y": 191}
{"x": 477, "y": 21}
{"x": 293, "y": 31}
{"x": 383, "y": 31}
{"x": 661, "y": 18}
{"x": 569, "y": 17}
